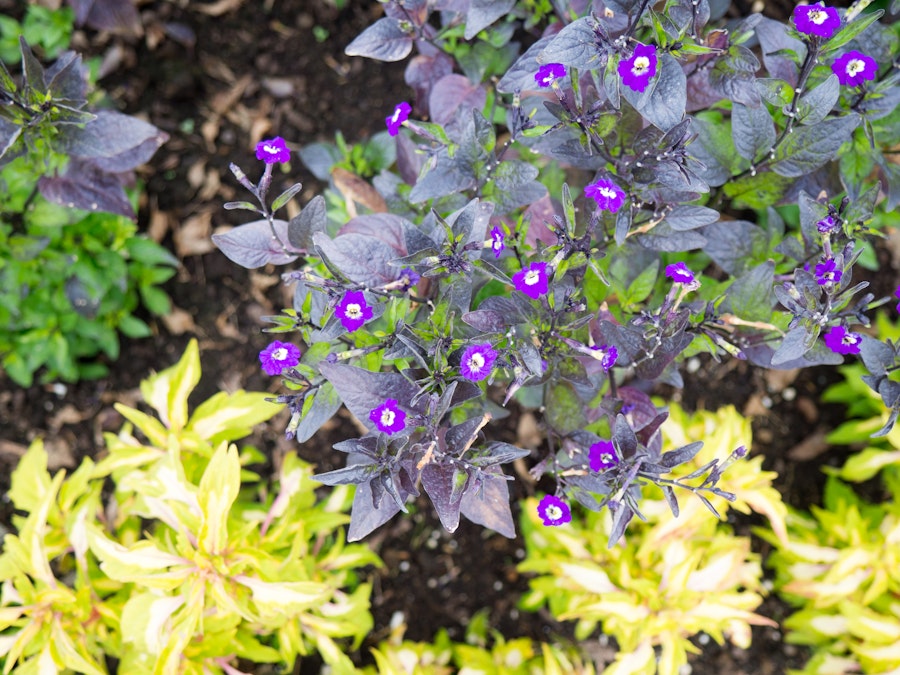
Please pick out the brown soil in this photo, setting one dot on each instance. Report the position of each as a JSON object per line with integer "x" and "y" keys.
{"x": 256, "y": 71}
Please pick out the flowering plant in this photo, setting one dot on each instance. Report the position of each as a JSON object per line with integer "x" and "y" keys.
{"x": 476, "y": 277}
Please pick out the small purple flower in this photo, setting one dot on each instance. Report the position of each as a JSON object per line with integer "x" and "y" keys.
{"x": 637, "y": 71}
{"x": 554, "y": 511}
{"x": 273, "y": 151}
{"x": 602, "y": 456}
{"x": 409, "y": 277}
{"x": 897, "y": 295}
{"x": 398, "y": 117}
{"x": 608, "y": 195}
{"x": 278, "y": 357}
{"x": 532, "y": 280}
{"x": 842, "y": 341}
{"x": 477, "y": 362}
{"x": 548, "y": 73}
{"x": 827, "y": 225}
{"x": 853, "y": 68}
{"x": 816, "y": 20}
{"x": 606, "y": 355}
{"x": 353, "y": 311}
{"x": 680, "y": 274}
{"x": 497, "y": 238}
{"x": 827, "y": 272}
{"x": 388, "y": 418}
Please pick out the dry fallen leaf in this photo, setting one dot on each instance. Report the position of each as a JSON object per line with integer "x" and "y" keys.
{"x": 178, "y": 322}
{"x": 193, "y": 236}
{"x": 358, "y": 190}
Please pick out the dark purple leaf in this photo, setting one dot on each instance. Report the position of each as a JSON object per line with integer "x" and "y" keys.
{"x": 663, "y": 103}
{"x": 521, "y": 73}
{"x": 304, "y": 225}
{"x": 66, "y": 80}
{"x": 808, "y": 148}
{"x": 115, "y": 16}
{"x": 325, "y": 404}
{"x": 622, "y": 515}
{"x": 752, "y": 294}
{"x": 362, "y": 391}
{"x": 774, "y": 36}
{"x": 364, "y": 517}
{"x": 253, "y": 245}
{"x": 360, "y": 258}
{"x": 735, "y": 245}
{"x": 422, "y": 72}
{"x": 689, "y": 217}
{"x": 384, "y": 40}
{"x": 752, "y": 130}
{"x": 816, "y": 103}
{"x": 488, "y": 505}
{"x": 123, "y": 141}
{"x": 482, "y": 13}
{"x": 575, "y": 46}
{"x": 876, "y": 355}
{"x": 83, "y": 186}
{"x": 795, "y": 344}
{"x": 671, "y": 499}
{"x": 664, "y": 238}
{"x": 454, "y": 93}
{"x": 385, "y": 227}
{"x": 32, "y": 69}
{"x": 353, "y": 474}
{"x": 447, "y": 177}
{"x": 409, "y": 160}
{"x": 673, "y": 458}
{"x": 444, "y": 484}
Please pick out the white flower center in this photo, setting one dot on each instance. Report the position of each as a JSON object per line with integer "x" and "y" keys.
{"x": 850, "y": 339}
{"x": 532, "y": 277}
{"x": 280, "y": 354}
{"x": 606, "y": 458}
{"x": 271, "y": 149}
{"x": 641, "y": 64}
{"x": 554, "y": 512}
{"x": 817, "y": 16}
{"x": 387, "y": 417}
{"x": 609, "y": 193}
{"x": 855, "y": 66}
{"x": 476, "y": 361}
{"x": 353, "y": 311}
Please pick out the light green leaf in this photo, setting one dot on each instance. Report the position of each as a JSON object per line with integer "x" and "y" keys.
{"x": 288, "y": 597}
{"x": 142, "y": 563}
{"x": 218, "y": 489}
{"x": 228, "y": 417}
{"x": 30, "y": 480}
{"x": 168, "y": 390}
{"x": 144, "y": 619}
{"x": 67, "y": 654}
{"x": 864, "y": 465}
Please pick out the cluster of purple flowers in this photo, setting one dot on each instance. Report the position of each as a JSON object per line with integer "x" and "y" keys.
{"x": 819, "y": 22}
{"x": 554, "y": 511}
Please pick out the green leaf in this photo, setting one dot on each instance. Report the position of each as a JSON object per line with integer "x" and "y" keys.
{"x": 228, "y": 417}
{"x": 219, "y": 488}
{"x": 808, "y": 148}
{"x": 757, "y": 192}
{"x": 564, "y": 411}
{"x": 167, "y": 391}
{"x": 155, "y": 300}
{"x": 864, "y": 465}
{"x": 30, "y": 480}
{"x": 133, "y": 327}
{"x": 850, "y": 31}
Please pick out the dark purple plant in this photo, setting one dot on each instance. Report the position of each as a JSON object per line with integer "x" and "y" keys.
{"x": 481, "y": 286}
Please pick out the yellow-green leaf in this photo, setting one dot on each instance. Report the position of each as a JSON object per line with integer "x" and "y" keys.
{"x": 218, "y": 489}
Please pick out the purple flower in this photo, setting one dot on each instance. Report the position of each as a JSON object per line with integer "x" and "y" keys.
{"x": 554, "y": 511}
{"x": 409, "y": 277}
{"x": 897, "y": 295}
{"x": 842, "y": 341}
{"x": 854, "y": 67}
{"x": 606, "y": 355}
{"x": 273, "y": 151}
{"x": 548, "y": 73}
{"x": 279, "y": 356}
{"x": 827, "y": 272}
{"x": 602, "y": 456}
{"x": 637, "y": 71}
{"x": 532, "y": 280}
{"x": 680, "y": 274}
{"x": 477, "y": 362}
{"x": 826, "y": 225}
{"x": 608, "y": 195}
{"x": 353, "y": 311}
{"x": 398, "y": 117}
{"x": 497, "y": 238}
{"x": 816, "y": 20}
{"x": 388, "y": 418}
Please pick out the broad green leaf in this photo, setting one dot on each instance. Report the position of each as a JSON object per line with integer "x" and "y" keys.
{"x": 142, "y": 563}
{"x": 30, "y": 479}
{"x": 144, "y": 619}
{"x": 63, "y": 648}
{"x": 167, "y": 391}
{"x": 219, "y": 488}
{"x": 228, "y": 417}
{"x": 864, "y": 465}
{"x": 807, "y": 148}
{"x": 287, "y": 597}
{"x": 850, "y": 31}
{"x": 757, "y": 191}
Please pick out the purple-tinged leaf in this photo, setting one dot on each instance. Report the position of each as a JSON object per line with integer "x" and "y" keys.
{"x": 423, "y": 72}
{"x": 575, "y": 46}
{"x": 364, "y": 517}
{"x": 689, "y": 217}
{"x": 521, "y": 74}
{"x": 486, "y": 320}
{"x": 447, "y": 177}
{"x": 795, "y": 344}
{"x": 454, "y": 93}
{"x": 876, "y": 355}
{"x": 286, "y": 196}
{"x": 815, "y": 104}
{"x": 309, "y": 221}
{"x": 624, "y": 437}
{"x": 664, "y": 238}
{"x": 622, "y": 515}
{"x": 360, "y": 258}
{"x": 10, "y": 133}
{"x": 752, "y": 296}
{"x": 325, "y": 404}
{"x": 254, "y": 245}
{"x": 83, "y": 186}
{"x": 66, "y": 80}
{"x": 774, "y": 37}
{"x": 115, "y": 16}
{"x": 33, "y": 71}
{"x": 353, "y": 474}
{"x": 808, "y": 148}
{"x": 735, "y": 245}
{"x": 674, "y": 458}
{"x": 752, "y": 130}
{"x": 384, "y": 40}
{"x": 362, "y": 391}
{"x": 385, "y": 227}
{"x": 409, "y": 160}
{"x": 488, "y": 504}
{"x": 482, "y": 13}
{"x": 664, "y": 101}
{"x": 123, "y": 141}
{"x": 671, "y": 499}
{"x": 444, "y": 484}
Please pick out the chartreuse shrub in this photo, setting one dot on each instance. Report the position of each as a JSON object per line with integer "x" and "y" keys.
{"x": 674, "y": 577}
{"x": 841, "y": 568}
{"x": 186, "y": 562}
{"x": 73, "y": 270}
{"x": 442, "y": 656}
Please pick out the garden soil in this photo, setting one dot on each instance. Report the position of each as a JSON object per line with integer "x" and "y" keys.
{"x": 218, "y": 76}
